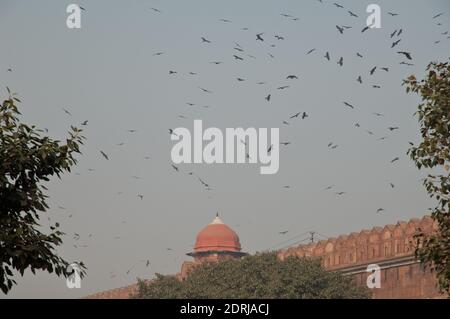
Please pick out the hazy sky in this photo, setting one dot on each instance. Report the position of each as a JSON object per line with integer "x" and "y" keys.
{"x": 107, "y": 73}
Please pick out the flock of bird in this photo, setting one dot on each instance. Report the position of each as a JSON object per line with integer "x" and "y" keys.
{"x": 240, "y": 55}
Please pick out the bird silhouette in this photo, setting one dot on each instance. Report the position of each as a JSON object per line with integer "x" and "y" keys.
{"x": 204, "y": 90}
{"x": 341, "y": 61}
{"x": 340, "y": 29}
{"x": 352, "y": 14}
{"x": 406, "y": 54}
{"x": 236, "y": 57}
{"x": 395, "y": 160}
{"x": 395, "y": 43}
{"x": 372, "y": 71}
{"x": 268, "y": 98}
{"x": 392, "y": 14}
{"x": 204, "y": 40}
{"x": 104, "y": 155}
{"x": 327, "y": 56}
{"x": 310, "y": 51}
{"x": 259, "y": 37}
{"x": 292, "y": 77}
{"x": 348, "y": 104}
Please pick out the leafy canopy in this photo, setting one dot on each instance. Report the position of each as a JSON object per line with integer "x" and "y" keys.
{"x": 258, "y": 276}
{"x": 433, "y": 153}
{"x": 27, "y": 160}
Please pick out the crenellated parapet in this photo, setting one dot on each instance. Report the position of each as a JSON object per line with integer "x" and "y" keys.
{"x": 379, "y": 243}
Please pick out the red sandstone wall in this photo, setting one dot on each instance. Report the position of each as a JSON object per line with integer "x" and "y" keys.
{"x": 376, "y": 246}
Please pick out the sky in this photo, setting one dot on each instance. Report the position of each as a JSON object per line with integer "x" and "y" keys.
{"x": 107, "y": 72}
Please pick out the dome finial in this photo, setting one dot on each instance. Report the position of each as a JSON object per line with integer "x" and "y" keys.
{"x": 217, "y": 214}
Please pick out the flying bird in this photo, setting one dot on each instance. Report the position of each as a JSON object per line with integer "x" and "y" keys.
{"x": 67, "y": 112}
{"x": 238, "y": 57}
{"x": 295, "y": 115}
{"x": 268, "y": 98}
{"x": 259, "y": 37}
{"x": 338, "y": 5}
{"x": 175, "y": 168}
{"x": 349, "y": 105}
{"x": 392, "y": 14}
{"x": 284, "y": 232}
{"x": 379, "y": 210}
{"x": 327, "y": 56}
{"x": 104, "y": 155}
{"x": 359, "y": 55}
{"x": 406, "y": 54}
{"x": 203, "y": 182}
{"x": 156, "y": 10}
{"x": 438, "y": 15}
{"x": 310, "y": 51}
{"x": 359, "y": 79}
{"x": 204, "y": 40}
{"x": 395, "y": 159}
{"x": 340, "y": 29}
{"x": 341, "y": 61}
{"x": 292, "y": 77}
{"x": 204, "y": 90}
{"x": 395, "y": 43}
{"x": 352, "y": 14}
{"x": 372, "y": 71}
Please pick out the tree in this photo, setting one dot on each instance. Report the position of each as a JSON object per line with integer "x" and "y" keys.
{"x": 258, "y": 276}
{"x": 433, "y": 153}
{"x": 27, "y": 160}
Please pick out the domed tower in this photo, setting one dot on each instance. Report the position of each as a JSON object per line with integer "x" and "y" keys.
{"x": 216, "y": 241}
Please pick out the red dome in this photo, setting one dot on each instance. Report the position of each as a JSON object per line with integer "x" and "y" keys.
{"x": 217, "y": 237}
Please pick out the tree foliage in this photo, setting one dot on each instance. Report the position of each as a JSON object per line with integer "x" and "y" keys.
{"x": 434, "y": 153}
{"x": 258, "y": 276}
{"x": 27, "y": 160}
